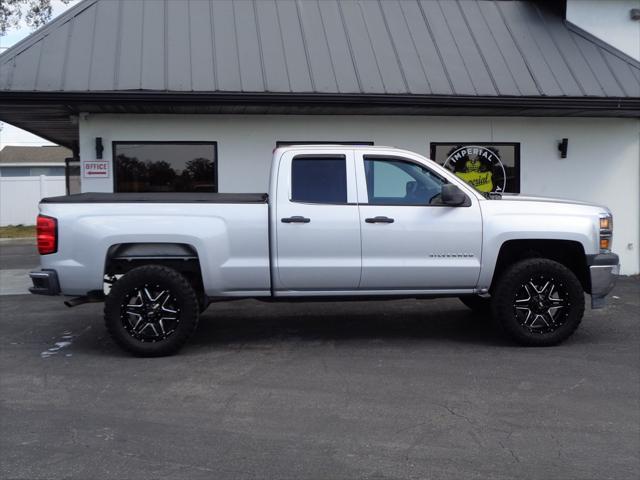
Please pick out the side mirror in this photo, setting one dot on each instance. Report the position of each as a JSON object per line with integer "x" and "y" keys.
{"x": 452, "y": 195}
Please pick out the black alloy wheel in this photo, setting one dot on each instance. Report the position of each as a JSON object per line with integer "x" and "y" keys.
{"x": 152, "y": 310}
{"x": 150, "y": 313}
{"x": 538, "y": 302}
{"x": 542, "y": 304}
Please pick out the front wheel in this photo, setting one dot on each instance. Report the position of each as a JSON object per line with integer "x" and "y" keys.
{"x": 151, "y": 311}
{"x": 538, "y": 302}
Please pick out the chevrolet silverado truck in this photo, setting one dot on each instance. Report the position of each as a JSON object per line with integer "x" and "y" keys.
{"x": 339, "y": 223}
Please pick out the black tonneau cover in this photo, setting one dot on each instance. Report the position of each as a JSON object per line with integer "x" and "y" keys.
{"x": 160, "y": 197}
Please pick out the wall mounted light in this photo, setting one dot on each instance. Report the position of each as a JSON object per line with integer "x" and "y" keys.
{"x": 99, "y": 148}
{"x": 563, "y": 146}
{"x": 634, "y": 13}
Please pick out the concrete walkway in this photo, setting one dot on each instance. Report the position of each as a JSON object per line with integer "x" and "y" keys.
{"x": 17, "y": 258}
{"x": 14, "y": 281}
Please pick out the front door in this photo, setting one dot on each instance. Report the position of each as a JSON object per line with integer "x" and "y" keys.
{"x": 317, "y": 222}
{"x": 410, "y": 241}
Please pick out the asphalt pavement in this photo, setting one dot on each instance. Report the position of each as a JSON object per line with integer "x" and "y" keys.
{"x": 398, "y": 389}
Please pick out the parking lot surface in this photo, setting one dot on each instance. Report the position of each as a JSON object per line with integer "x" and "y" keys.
{"x": 398, "y": 389}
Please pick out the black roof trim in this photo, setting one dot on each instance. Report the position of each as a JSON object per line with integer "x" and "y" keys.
{"x": 160, "y": 197}
{"x": 76, "y": 99}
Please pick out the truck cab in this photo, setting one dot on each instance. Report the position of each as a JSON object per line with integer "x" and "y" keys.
{"x": 371, "y": 221}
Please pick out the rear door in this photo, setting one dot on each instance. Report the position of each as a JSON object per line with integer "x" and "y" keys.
{"x": 316, "y": 221}
{"x": 410, "y": 241}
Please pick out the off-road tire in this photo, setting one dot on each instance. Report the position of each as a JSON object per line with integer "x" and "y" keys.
{"x": 203, "y": 303}
{"x": 183, "y": 300}
{"x": 522, "y": 277}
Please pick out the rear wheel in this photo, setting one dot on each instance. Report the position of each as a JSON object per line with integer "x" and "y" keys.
{"x": 538, "y": 302}
{"x": 151, "y": 311}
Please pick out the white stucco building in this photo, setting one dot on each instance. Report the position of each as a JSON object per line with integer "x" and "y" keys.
{"x": 178, "y": 95}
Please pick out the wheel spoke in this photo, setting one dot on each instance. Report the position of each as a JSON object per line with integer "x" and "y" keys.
{"x": 543, "y": 289}
{"x": 153, "y": 327}
{"x": 137, "y": 297}
{"x": 138, "y": 322}
{"x": 150, "y": 313}
{"x": 164, "y": 306}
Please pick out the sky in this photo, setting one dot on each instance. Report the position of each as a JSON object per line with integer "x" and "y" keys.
{"x": 10, "y": 135}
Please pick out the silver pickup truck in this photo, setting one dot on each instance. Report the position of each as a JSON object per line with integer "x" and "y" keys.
{"x": 339, "y": 223}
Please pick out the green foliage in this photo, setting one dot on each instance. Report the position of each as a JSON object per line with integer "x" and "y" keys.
{"x": 34, "y": 13}
{"x": 17, "y": 231}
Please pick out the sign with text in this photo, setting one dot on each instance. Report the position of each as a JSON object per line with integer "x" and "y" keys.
{"x": 95, "y": 168}
{"x": 488, "y": 166}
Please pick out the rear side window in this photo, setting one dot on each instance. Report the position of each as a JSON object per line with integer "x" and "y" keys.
{"x": 319, "y": 180}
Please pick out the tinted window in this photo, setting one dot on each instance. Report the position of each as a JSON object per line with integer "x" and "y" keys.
{"x": 15, "y": 171}
{"x": 319, "y": 180}
{"x": 165, "y": 167}
{"x": 50, "y": 171}
{"x": 397, "y": 182}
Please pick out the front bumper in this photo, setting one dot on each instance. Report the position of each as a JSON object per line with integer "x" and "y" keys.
{"x": 604, "y": 269}
{"x": 45, "y": 282}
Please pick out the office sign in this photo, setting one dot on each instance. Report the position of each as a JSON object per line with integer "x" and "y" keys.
{"x": 95, "y": 168}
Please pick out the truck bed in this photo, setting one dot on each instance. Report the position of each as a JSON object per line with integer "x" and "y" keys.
{"x": 229, "y": 233}
{"x": 160, "y": 197}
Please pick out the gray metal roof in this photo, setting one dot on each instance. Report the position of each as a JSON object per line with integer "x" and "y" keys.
{"x": 390, "y": 47}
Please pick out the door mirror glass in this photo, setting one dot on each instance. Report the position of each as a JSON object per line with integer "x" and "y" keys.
{"x": 452, "y": 195}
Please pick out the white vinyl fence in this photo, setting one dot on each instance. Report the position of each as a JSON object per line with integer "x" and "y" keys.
{"x": 19, "y": 197}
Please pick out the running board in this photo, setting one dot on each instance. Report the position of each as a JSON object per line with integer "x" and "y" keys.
{"x": 91, "y": 297}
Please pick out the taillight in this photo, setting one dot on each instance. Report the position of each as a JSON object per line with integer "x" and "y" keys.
{"x": 47, "y": 234}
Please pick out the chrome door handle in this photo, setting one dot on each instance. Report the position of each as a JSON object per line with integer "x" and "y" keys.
{"x": 379, "y": 220}
{"x": 295, "y": 219}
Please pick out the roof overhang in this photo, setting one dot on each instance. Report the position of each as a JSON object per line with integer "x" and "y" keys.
{"x": 33, "y": 164}
{"x": 51, "y": 114}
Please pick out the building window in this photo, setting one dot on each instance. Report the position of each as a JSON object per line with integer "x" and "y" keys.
{"x": 319, "y": 180}
{"x": 31, "y": 171}
{"x": 15, "y": 171}
{"x": 165, "y": 167}
{"x": 488, "y": 166}
{"x": 397, "y": 182}
{"x": 49, "y": 171}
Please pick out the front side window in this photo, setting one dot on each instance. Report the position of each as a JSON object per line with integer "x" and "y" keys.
{"x": 165, "y": 167}
{"x": 392, "y": 181}
{"x": 319, "y": 180}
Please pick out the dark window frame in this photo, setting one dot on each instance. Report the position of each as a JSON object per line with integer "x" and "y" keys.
{"x": 516, "y": 156}
{"x": 283, "y": 143}
{"x": 212, "y": 143}
{"x": 67, "y": 172}
{"x": 335, "y": 156}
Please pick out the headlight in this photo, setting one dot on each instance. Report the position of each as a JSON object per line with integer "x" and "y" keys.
{"x": 606, "y": 233}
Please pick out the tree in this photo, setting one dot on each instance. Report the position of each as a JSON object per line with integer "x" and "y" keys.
{"x": 35, "y": 13}
{"x": 200, "y": 169}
